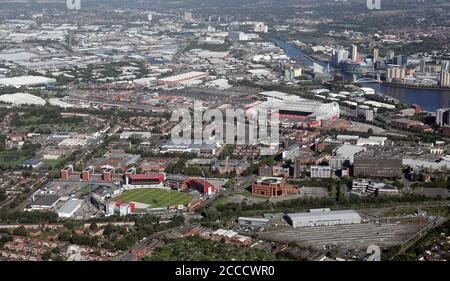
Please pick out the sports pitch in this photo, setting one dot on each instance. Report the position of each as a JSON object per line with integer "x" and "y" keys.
{"x": 156, "y": 198}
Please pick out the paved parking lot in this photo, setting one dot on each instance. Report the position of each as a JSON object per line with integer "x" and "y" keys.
{"x": 352, "y": 235}
{"x": 313, "y": 192}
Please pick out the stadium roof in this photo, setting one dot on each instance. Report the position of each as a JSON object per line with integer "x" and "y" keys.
{"x": 26, "y": 81}
{"x": 22, "y": 98}
{"x": 201, "y": 182}
{"x": 159, "y": 177}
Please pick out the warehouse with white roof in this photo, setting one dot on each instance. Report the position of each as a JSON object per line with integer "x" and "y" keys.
{"x": 316, "y": 217}
{"x": 69, "y": 208}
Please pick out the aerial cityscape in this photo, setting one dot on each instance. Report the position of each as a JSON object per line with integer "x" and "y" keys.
{"x": 224, "y": 130}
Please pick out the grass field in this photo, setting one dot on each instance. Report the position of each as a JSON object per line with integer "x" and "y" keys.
{"x": 52, "y": 163}
{"x": 156, "y": 198}
{"x": 11, "y": 158}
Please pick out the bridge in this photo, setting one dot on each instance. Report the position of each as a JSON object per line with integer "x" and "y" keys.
{"x": 370, "y": 77}
{"x": 367, "y": 80}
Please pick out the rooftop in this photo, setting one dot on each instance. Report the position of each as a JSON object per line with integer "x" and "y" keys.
{"x": 70, "y": 206}
{"x": 45, "y": 200}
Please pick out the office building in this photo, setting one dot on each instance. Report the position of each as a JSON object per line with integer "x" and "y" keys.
{"x": 375, "y": 55}
{"x": 354, "y": 53}
{"x": 443, "y": 117}
{"x": 400, "y": 60}
{"x": 339, "y": 55}
{"x": 322, "y": 172}
{"x": 260, "y": 27}
{"x": 269, "y": 186}
{"x": 237, "y": 36}
{"x": 395, "y": 72}
{"x": 289, "y": 75}
{"x": 337, "y": 162}
{"x": 382, "y": 167}
{"x": 187, "y": 16}
{"x": 390, "y": 55}
{"x": 365, "y": 112}
{"x": 265, "y": 171}
{"x": 445, "y": 75}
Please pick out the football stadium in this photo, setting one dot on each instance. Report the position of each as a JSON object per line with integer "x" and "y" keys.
{"x": 294, "y": 107}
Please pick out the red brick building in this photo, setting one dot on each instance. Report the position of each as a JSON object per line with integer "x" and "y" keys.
{"x": 270, "y": 186}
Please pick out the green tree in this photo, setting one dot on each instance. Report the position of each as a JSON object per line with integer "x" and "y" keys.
{"x": 20, "y": 231}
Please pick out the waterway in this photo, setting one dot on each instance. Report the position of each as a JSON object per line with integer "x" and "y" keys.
{"x": 293, "y": 52}
{"x": 429, "y": 100}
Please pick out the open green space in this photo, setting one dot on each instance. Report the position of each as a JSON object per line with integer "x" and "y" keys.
{"x": 54, "y": 163}
{"x": 156, "y": 198}
{"x": 11, "y": 158}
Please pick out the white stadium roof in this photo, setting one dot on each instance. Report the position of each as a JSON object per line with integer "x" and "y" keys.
{"x": 26, "y": 81}
{"x": 22, "y": 99}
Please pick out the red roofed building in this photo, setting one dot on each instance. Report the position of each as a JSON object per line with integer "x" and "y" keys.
{"x": 144, "y": 181}
{"x": 119, "y": 203}
{"x": 200, "y": 185}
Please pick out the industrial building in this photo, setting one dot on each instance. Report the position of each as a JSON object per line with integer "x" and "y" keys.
{"x": 127, "y": 135}
{"x": 316, "y": 217}
{"x": 372, "y": 141}
{"x": 44, "y": 202}
{"x": 230, "y": 237}
{"x": 260, "y": 222}
{"x": 69, "y": 208}
{"x": 182, "y": 78}
{"x": 408, "y": 124}
{"x": 203, "y": 149}
{"x": 348, "y": 152}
